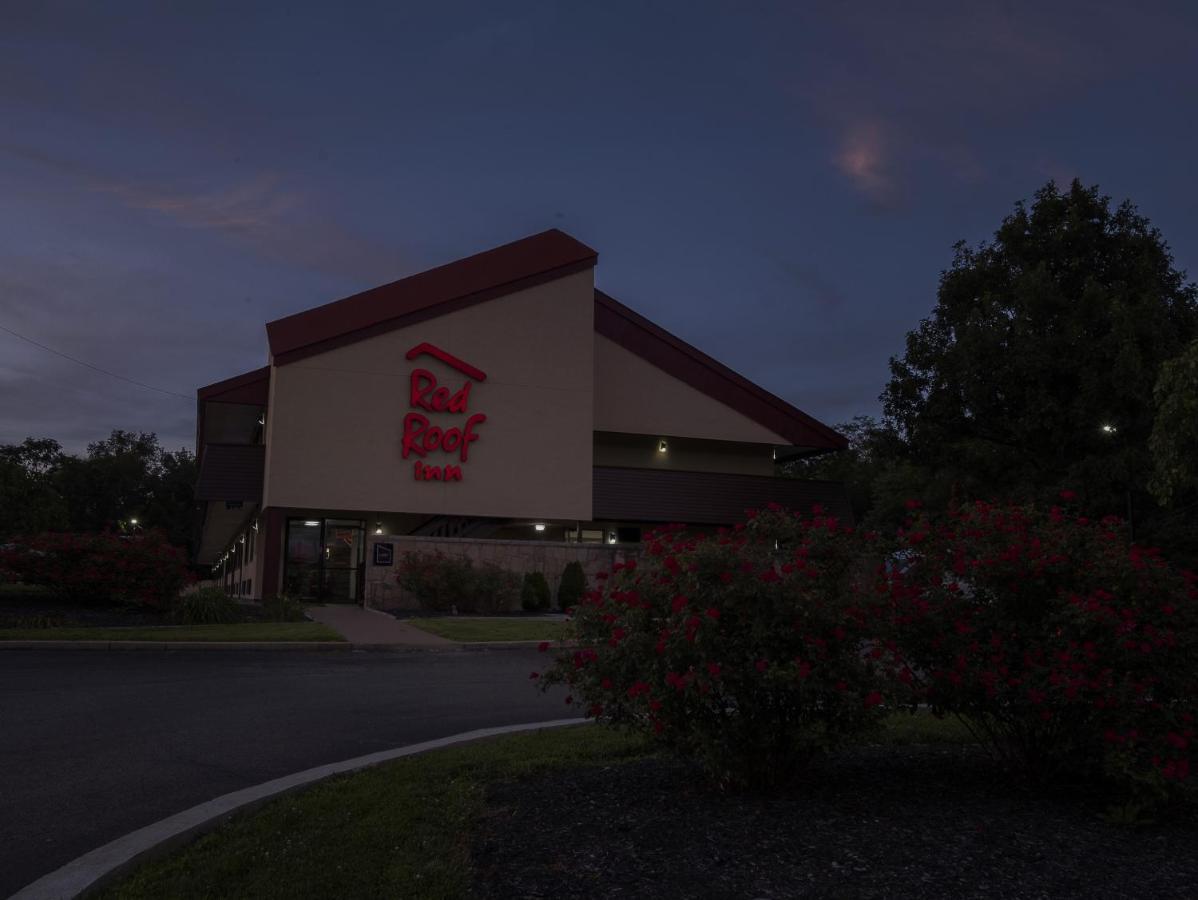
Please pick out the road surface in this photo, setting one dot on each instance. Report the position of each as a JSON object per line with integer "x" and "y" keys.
{"x": 95, "y": 744}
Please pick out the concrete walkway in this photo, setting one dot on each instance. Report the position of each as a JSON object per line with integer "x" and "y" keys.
{"x": 369, "y": 626}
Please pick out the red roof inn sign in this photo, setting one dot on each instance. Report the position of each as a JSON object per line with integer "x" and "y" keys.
{"x": 420, "y": 436}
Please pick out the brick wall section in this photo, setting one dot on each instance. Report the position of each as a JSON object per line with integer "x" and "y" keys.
{"x": 548, "y": 557}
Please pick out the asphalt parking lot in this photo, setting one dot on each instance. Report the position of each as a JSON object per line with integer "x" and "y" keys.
{"x": 97, "y": 744}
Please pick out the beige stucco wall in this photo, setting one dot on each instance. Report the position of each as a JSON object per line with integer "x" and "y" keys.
{"x": 335, "y": 425}
{"x": 687, "y": 454}
{"x": 634, "y": 396}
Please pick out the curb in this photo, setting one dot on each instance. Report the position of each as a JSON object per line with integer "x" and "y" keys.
{"x": 177, "y": 645}
{"x": 104, "y": 864}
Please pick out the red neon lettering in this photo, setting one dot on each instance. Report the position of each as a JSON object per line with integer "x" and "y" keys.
{"x": 421, "y": 438}
{"x": 424, "y": 393}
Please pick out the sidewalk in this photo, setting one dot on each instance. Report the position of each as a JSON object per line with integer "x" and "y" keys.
{"x": 373, "y": 628}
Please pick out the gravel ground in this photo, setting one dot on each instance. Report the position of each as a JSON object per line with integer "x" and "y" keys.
{"x": 912, "y": 822}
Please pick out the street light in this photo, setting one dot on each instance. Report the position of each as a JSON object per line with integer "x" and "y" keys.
{"x": 1109, "y": 429}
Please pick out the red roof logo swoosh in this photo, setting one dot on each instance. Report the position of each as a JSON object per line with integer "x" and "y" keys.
{"x": 449, "y": 359}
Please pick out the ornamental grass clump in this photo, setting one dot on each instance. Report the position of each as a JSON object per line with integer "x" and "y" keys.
{"x": 1068, "y": 651}
{"x": 748, "y": 651}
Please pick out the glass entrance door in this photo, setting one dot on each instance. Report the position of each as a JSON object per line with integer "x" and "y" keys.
{"x": 324, "y": 558}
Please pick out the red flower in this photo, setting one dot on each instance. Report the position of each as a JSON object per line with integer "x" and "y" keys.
{"x": 872, "y": 699}
{"x": 569, "y": 699}
{"x": 912, "y": 504}
{"x": 762, "y": 665}
{"x": 713, "y": 669}
{"x": 712, "y": 613}
{"x": 1177, "y": 740}
{"x": 1068, "y": 496}
{"x": 534, "y": 676}
{"x": 594, "y": 710}
{"x": 606, "y": 684}
{"x": 726, "y": 577}
{"x": 543, "y": 646}
{"x": 678, "y": 603}
{"x": 769, "y": 576}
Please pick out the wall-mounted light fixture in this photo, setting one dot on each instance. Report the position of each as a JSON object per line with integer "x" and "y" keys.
{"x": 311, "y": 524}
{"x": 611, "y": 537}
{"x": 133, "y": 521}
{"x": 378, "y": 527}
{"x": 662, "y": 446}
{"x": 540, "y": 526}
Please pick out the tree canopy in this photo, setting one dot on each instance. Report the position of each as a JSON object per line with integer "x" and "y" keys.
{"x": 125, "y": 476}
{"x": 1035, "y": 372}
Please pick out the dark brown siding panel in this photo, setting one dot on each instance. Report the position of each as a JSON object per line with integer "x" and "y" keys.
{"x": 705, "y": 498}
{"x": 250, "y": 387}
{"x": 232, "y": 472}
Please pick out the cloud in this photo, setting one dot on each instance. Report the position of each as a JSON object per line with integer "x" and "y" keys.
{"x": 864, "y": 158}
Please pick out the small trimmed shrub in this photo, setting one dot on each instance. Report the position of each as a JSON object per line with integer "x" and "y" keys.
{"x": 207, "y": 606}
{"x": 282, "y": 608}
{"x": 534, "y": 593}
{"x": 99, "y": 569}
{"x": 573, "y": 585}
{"x": 495, "y": 589}
{"x": 748, "y": 651}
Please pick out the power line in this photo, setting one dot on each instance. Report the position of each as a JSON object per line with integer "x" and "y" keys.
{"x": 140, "y": 384}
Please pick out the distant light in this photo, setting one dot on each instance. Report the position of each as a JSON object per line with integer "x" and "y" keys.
{"x": 611, "y": 537}
{"x": 662, "y": 446}
{"x": 133, "y": 521}
{"x": 1109, "y": 429}
{"x": 378, "y": 527}
{"x": 540, "y": 526}
{"x": 311, "y": 524}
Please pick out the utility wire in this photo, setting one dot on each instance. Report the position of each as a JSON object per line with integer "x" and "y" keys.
{"x": 148, "y": 387}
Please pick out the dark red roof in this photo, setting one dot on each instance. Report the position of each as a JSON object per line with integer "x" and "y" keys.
{"x": 231, "y": 472}
{"x": 484, "y": 276}
{"x": 675, "y": 356}
{"x": 704, "y": 498}
{"x": 248, "y": 387}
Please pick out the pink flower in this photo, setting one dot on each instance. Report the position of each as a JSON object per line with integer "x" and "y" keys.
{"x": 1068, "y": 496}
{"x": 678, "y": 603}
{"x": 762, "y": 664}
{"x": 872, "y": 699}
{"x": 713, "y": 669}
{"x": 543, "y": 646}
{"x": 534, "y": 676}
{"x": 712, "y": 613}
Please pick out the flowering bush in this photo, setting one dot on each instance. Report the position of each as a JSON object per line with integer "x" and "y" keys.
{"x": 747, "y": 651}
{"x": 99, "y": 568}
{"x": 1066, "y": 650}
{"x": 443, "y": 583}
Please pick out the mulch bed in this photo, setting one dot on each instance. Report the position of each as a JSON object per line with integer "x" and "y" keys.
{"x": 917, "y": 822}
{"x": 50, "y": 613}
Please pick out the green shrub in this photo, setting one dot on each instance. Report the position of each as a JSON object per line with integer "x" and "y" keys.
{"x": 534, "y": 593}
{"x": 283, "y": 609}
{"x": 748, "y": 651}
{"x": 495, "y": 589}
{"x": 573, "y": 585}
{"x": 439, "y": 583}
{"x": 207, "y": 606}
{"x": 443, "y": 583}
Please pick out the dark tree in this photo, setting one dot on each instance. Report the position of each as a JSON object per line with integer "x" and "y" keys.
{"x": 123, "y": 477}
{"x": 1054, "y": 329}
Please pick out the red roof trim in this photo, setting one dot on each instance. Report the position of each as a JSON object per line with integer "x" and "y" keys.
{"x": 248, "y": 387}
{"x": 674, "y": 356}
{"x": 494, "y": 273}
{"x": 449, "y": 359}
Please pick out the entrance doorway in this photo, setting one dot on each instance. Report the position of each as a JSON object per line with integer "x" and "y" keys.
{"x": 324, "y": 559}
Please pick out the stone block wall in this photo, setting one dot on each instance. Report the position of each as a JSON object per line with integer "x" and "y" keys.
{"x": 547, "y": 557}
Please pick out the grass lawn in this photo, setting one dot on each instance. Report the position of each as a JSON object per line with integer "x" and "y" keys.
{"x": 249, "y": 631}
{"x": 399, "y": 830}
{"x": 472, "y": 629}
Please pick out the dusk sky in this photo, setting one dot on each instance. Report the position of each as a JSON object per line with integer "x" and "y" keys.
{"x": 779, "y": 184}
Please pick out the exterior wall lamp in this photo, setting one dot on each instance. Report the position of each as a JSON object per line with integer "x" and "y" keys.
{"x": 662, "y": 446}
{"x": 540, "y": 526}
